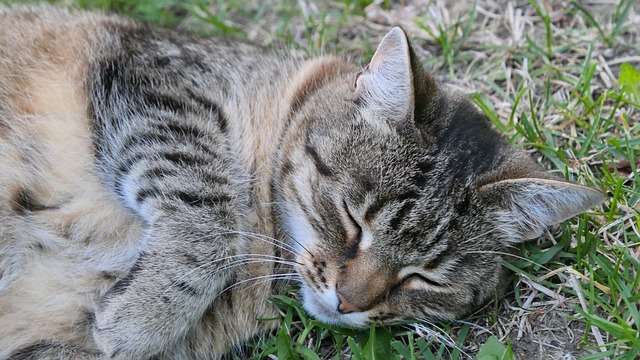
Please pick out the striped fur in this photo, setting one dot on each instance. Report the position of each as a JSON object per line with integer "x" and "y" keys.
{"x": 156, "y": 188}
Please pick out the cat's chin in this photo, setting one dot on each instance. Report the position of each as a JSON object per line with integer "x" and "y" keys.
{"x": 324, "y": 307}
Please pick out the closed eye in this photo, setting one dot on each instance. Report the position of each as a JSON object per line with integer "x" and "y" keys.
{"x": 352, "y": 220}
{"x": 421, "y": 277}
{"x": 351, "y": 252}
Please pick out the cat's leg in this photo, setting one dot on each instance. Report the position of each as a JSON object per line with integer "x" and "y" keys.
{"x": 52, "y": 351}
{"x": 182, "y": 178}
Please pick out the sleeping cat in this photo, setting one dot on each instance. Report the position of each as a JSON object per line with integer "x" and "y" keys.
{"x": 156, "y": 188}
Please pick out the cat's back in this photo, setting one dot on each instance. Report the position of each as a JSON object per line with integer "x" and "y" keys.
{"x": 52, "y": 207}
{"x": 45, "y": 114}
{"x": 45, "y": 57}
{"x": 65, "y": 236}
{"x": 46, "y": 38}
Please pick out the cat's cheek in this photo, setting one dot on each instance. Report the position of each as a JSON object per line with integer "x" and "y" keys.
{"x": 298, "y": 228}
{"x": 324, "y": 307}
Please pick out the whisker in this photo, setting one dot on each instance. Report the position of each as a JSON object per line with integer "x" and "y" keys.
{"x": 264, "y": 278}
{"x": 282, "y": 244}
{"x": 253, "y": 261}
{"x": 244, "y": 259}
{"x": 440, "y": 334}
{"x": 288, "y": 276}
{"x": 258, "y": 256}
{"x": 262, "y": 281}
{"x": 476, "y": 237}
{"x": 277, "y": 242}
{"x": 449, "y": 341}
{"x": 476, "y": 326}
{"x": 296, "y": 241}
{"x": 508, "y": 255}
{"x": 291, "y": 238}
{"x": 270, "y": 240}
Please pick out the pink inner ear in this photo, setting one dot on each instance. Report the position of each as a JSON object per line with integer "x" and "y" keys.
{"x": 386, "y": 84}
{"x": 355, "y": 82}
{"x": 377, "y": 58}
{"x": 391, "y": 56}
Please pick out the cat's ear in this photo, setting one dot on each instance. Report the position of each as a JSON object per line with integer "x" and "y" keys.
{"x": 386, "y": 84}
{"x": 528, "y": 206}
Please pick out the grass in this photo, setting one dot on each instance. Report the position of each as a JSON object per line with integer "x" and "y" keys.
{"x": 560, "y": 81}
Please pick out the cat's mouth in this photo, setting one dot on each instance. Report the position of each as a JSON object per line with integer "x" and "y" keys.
{"x": 324, "y": 307}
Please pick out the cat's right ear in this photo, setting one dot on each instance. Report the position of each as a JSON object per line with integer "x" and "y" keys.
{"x": 386, "y": 84}
{"x": 524, "y": 208}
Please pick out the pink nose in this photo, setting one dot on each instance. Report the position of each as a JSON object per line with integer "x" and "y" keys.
{"x": 344, "y": 306}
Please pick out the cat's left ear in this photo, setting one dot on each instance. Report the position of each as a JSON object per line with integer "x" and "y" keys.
{"x": 386, "y": 84}
{"x": 526, "y": 207}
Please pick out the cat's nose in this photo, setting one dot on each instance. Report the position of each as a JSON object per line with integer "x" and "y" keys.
{"x": 344, "y": 306}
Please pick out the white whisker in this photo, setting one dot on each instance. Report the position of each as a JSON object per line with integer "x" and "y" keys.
{"x": 439, "y": 334}
{"x": 224, "y": 231}
{"x": 476, "y": 326}
{"x": 446, "y": 335}
{"x": 288, "y": 276}
{"x": 291, "y": 238}
{"x": 508, "y": 255}
{"x": 267, "y": 239}
{"x": 244, "y": 259}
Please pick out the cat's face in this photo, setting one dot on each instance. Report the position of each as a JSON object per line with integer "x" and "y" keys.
{"x": 375, "y": 223}
{"x": 401, "y": 202}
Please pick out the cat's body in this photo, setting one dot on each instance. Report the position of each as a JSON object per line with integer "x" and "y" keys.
{"x": 145, "y": 171}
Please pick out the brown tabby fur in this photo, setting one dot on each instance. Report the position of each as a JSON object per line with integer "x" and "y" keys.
{"x": 154, "y": 186}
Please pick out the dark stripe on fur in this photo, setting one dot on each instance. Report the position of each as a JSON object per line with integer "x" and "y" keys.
{"x": 181, "y": 158}
{"x": 157, "y": 172}
{"x": 167, "y": 102}
{"x": 211, "y": 107}
{"x": 213, "y": 178}
{"x": 373, "y": 209}
{"x": 322, "y": 168}
{"x": 379, "y": 203}
{"x": 411, "y": 194}
{"x": 463, "y": 205}
{"x": 44, "y": 350}
{"x": 200, "y": 199}
{"x": 226, "y": 296}
{"x": 395, "y": 222}
{"x": 353, "y": 249}
{"x": 167, "y": 134}
{"x": 185, "y": 129}
{"x": 143, "y": 194}
{"x": 144, "y": 139}
{"x": 124, "y": 283}
{"x": 33, "y": 351}
{"x": 23, "y": 203}
{"x": 439, "y": 258}
{"x": 420, "y": 177}
{"x": 192, "y": 259}
{"x": 127, "y": 163}
{"x": 186, "y": 288}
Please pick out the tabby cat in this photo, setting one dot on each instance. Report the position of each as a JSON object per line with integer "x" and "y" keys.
{"x": 156, "y": 188}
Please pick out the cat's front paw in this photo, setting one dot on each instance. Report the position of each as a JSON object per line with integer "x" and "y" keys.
{"x": 121, "y": 334}
{"x": 135, "y": 324}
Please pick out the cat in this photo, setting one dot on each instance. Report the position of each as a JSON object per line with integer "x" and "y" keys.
{"x": 157, "y": 188}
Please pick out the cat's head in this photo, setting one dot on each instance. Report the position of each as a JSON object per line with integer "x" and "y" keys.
{"x": 400, "y": 199}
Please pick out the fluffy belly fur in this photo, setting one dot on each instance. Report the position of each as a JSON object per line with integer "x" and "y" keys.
{"x": 64, "y": 239}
